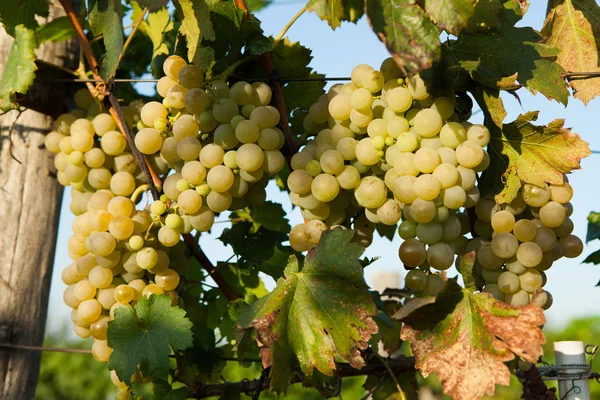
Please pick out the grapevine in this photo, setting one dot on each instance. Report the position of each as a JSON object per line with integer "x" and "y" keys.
{"x": 393, "y": 151}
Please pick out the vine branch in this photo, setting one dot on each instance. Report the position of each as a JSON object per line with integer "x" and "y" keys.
{"x": 111, "y": 103}
{"x": 132, "y": 34}
{"x": 289, "y": 25}
{"x": 373, "y": 367}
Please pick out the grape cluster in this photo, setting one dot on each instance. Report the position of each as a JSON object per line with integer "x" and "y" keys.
{"x": 215, "y": 145}
{"x": 385, "y": 150}
{"x": 519, "y": 241}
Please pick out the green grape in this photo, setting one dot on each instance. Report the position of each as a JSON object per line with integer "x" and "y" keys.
{"x": 440, "y": 256}
{"x": 571, "y": 246}
{"x": 121, "y": 227}
{"x": 469, "y": 154}
{"x": 298, "y": 239}
{"x": 478, "y": 134}
{"x": 416, "y": 280}
{"x": 427, "y": 187}
{"x": 193, "y": 172}
{"x": 444, "y": 107}
{"x": 94, "y": 158}
{"x": 218, "y": 202}
{"x": 407, "y": 230}
{"x": 447, "y": 156}
{"x": 494, "y": 290}
{"x": 247, "y": 131}
{"x": 521, "y": 298}
{"x": 191, "y": 76}
{"x": 467, "y": 177}
{"x": 565, "y": 229}
{"x": 203, "y": 219}
{"x": 434, "y": 285}
{"x": 552, "y": 214}
{"x": 453, "y": 134}
{"x": 366, "y": 152}
{"x": 164, "y": 84}
{"x": 152, "y": 111}
{"x": 261, "y": 94}
{"x": 390, "y": 212}
{"x": 531, "y": 280}
{"x": 212, "y": 155}
{"x": 536, "y": 196}
{"x": 429, "y": 233}
{"x": 451, "y": 229}
{"x": 545, "y": 238}
{"x": 398, "y": 99}
{"x": 148, "y": 140}
{"x": 423, "y": 211}
{"x": 524, "y": 230}
{"x": 325, "y": 187}
{"x": 560, "y": 193}
{"x": 505, "y": 245}
{"x": 371, "y": 192}
{"x": 503, "y": 221}
{"x": 412, "y": 253}
{"x": 446, "y": 174}
{"x": 249, "y": 157}
{"x": 122, "y": 184}
{"x": 340, "y": 107}
{"x": 428, "y": 122}
{"x": 529, "y": 254}
{"x": 172, "y": 65}
{"x": 225, "y": 109}
{"x": 112, "y": 143}
{"x": 230, "y": 159}
{"x": 348, "y": 178}
{"x": 268, "y": 139}
{"x": 426, "y": 160}
{"x": 206, "y": 121}
{"x": 361, "y": 100}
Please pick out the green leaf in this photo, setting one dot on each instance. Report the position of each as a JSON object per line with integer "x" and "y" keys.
{"x": 257, "y": 5}
{"x": 486, "y": 16}
{"x": 573, "y": 27}
{"x": 465, "y": 267}
{"x": 451, "y": 15}
{"x": 336, "y": 11}
{"x": 155, "y": 26}
{"x": 593, "y": 229}
{"x": 22, "y": 12}
{"x": 164, "y": 391}
{"x": 508, "y": 55}
{"x": 409, "y": 34}
{"x": 146, "y": 335}
{"x": 386, "y": 231}
{"x": 153, "y": 5}
{"x": 271, "y": 216}
{"x": 593, "y": 258}
{"x": 57, "y": 30}
{"x": 106, "y": 18}
{"x": 258, "y": 248}
{"x": 196, "y": 26}
{"x": 476, "y": 334}
{"x": 532, "y": 154}
{"x": 19, "y": 71}
{"x": 317, "y": 314}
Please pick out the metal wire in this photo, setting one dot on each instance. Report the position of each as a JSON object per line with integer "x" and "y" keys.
{"x": 140, "y": 80}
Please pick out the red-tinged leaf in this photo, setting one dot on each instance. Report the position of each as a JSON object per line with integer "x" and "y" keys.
{"x": 315, "y": 314}
{"x": 573, "y": 27}
{"x": 465, "y": 338}
{"x": 409, "y": 34}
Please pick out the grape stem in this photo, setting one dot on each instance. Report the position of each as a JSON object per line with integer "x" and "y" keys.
{"x": 289, "y": 25}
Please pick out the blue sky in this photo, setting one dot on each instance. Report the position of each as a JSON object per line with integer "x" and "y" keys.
{"x": 335, "y": 53}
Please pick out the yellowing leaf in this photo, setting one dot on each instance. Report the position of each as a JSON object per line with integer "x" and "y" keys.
{"x": 465, "y": 338}
{"x": 451, "y": 15}
{"x": 532, "y": 154}
{"x": 316, "y": 313}
{"x": 195, "y": 25}
{"x": 573, "y": 27}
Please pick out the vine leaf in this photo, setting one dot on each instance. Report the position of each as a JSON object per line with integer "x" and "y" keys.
{"x": 57, "y": 30}
{"x": 164, "y": 391}
{"x": 532, "y": 154}
{"x": 336, "y": 11}
{"x": 153, "y": 5}
{"x": 106, "y": 18}
{"x": 409, "y": 34}
{"x": 485, "y": 16}
{"x": 510, "y": 57}
{"x": 195, "y": 26}
{"x": 593, "y": 228}
{"x": 22, "y": 13}
{"x": 156, "y": 25}
{"x": 316, "y": 313}
{"x": 451, "y": 15}
{"x": 145, "y": 335}
{"x": 573, "y": 27}
{"x": 20, "y": 68}
{"x": 258, "y": 247}
{"x": 466, "y": 337}
{"x": 271, "y": 216}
